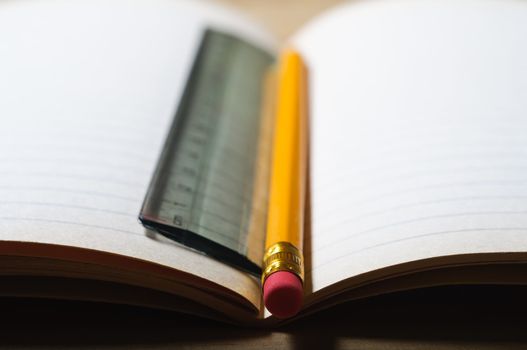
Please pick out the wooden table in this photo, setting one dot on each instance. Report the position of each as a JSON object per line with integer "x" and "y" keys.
{"x": 282, "y": 17}
{"x": 440, "y": 318}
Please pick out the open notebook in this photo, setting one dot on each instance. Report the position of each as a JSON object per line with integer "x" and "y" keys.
{"x": 418, "y": 150}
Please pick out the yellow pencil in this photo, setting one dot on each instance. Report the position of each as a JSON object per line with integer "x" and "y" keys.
{"x": 283, "y": 268}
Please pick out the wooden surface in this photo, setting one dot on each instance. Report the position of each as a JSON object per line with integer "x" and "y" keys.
{"x": 282, "y": 17}
{"x": 442, "y": 318}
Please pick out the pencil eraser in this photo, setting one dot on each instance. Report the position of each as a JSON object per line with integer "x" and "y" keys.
{"x": 283, "y": 294}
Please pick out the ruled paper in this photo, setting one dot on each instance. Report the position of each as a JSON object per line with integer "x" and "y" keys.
{"x": 87, "y": 93}
{"x": 419, "y": 146}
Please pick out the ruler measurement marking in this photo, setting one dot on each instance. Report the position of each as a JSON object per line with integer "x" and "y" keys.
{"x": 213, "y": 198}
{"x": 188, "y": 171}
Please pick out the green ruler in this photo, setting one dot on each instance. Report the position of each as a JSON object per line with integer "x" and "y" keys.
{"x": 203, "y": 192}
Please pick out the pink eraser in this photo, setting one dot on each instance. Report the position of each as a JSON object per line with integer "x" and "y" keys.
{"x": 283, "y": 293}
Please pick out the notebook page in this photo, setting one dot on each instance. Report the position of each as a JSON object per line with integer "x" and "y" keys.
{"x": 88, "y": 90}
{"x": 418, "y": 133}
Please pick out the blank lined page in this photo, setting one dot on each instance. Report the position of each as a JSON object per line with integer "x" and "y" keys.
{"x": 87, "y": 93}
{"x": 419, "y": 150}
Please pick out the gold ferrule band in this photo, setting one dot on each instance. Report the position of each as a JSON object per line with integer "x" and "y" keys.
{"x": 283, "y": 256}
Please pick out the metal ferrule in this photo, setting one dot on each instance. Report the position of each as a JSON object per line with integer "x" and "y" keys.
{"x": 283, "y": 256}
